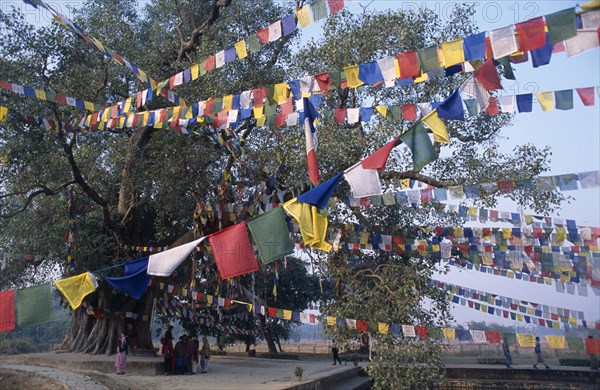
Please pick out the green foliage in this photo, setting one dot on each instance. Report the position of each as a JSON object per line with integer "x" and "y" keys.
{"x": 574, "y": 362}
{"x": 298, "y": 371}
{"x": 491, "y": 360}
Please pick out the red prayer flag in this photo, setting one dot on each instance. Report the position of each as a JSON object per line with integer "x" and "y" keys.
{"x": 272, "y": 312}
{"x": 210, "y": 63}
{"x": 586, "y": 95}
{"x": 409, "y": 64}
{"x": 493, "y": 337}
{"x": 335, "y": 6}
{"x": 263, "y": 35}
{"x": 233, "y": 251}
{"x": 422, "y": 331}
{"x": 506, "y": 187}
{"x": 487, "y": 76}
{"x": 7, "y": 310}
{"x": 208, "y": 107}
{"x": 489, "y": 53}
{"x": 378, "y": 159}
{"x": 324, "y": 82}
{"x": 593, "y": 346}
{"x": 287, "y": 107}
{"x": 492, "y": 108}
{"x": 259, "y": 94}
{"x": 280, "y": 119}
{"x": 340, "y": 115}
{"x": 361, "y": 325}
{"x": 558, "y": 47}
{"x": 409, "y": 112}
{"x": 531, "y": 34}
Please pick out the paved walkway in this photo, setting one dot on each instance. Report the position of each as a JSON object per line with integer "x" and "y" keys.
{"x": 71, "y": 380}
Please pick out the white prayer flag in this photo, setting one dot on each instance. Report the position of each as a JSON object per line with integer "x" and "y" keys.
{"x": 503, "y": 41}
{"x": 164, "y": 263}
{"x": 363, "y": 182}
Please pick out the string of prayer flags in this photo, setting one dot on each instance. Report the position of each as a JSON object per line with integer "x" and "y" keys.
{"x": 49, "y": 96}
{"x": 7, "y": 310}
{"x": 526, "y": 340}
{"x": 319, "y": 196}
{"x": 419, "y": 143}
{"x": 165, "y": 263}
{"x": 34, "y": 305}
{"x": 313, "y": 225}
{"x": 270, "y": 235}
{"x": 76, "y": 288}
{"x": 233, "y": 251}
{"x": 135, "y": 281}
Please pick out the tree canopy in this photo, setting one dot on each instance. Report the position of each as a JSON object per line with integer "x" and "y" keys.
{"x": 141, "y": 186}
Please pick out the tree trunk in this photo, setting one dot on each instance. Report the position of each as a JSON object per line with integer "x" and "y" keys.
{"x": 88, "y": 334}
{"x": 266, "y": 330}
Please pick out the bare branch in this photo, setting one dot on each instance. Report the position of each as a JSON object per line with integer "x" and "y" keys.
{"x": 388, "y": 175}
{"x": 32, "y": 192}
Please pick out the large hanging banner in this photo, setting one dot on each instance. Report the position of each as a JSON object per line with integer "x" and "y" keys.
{"x": 34, "y": 305}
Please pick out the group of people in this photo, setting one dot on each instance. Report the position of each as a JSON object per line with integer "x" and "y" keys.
{"x": 184, "y": 357}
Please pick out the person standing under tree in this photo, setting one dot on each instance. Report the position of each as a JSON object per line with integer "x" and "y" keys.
{"x": 335, "y": 351}
{"x": 121, "y": 361}
{"x": 538, "y": 354}
{"x": 204, "y": 355}
{"x": 593, "y": 348}
{"x": 506, "y": 350}
{"x": 167, "y": 352}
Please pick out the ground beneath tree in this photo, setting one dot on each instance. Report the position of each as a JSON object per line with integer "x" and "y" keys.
{"x": 12, "y": 379}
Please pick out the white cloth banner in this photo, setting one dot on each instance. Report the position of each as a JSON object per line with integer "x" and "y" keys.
{"x": 353, "y": 115}
{"x": 408, "y": 331}
{"x": 178, "y": 79}
{"x": 363, "y": 182}
{"x": 503, "y": 41}
{"x": 478, "y": 336}
{"x": 584, "y": 40}
{"x": 351, "y": 323}
{"x": 388, "y": 70}
{"x": 164, "y": 263}
{"x": 220, "y": 59}
{"x": 473, "y": 88}
{"x": 591, "y": 20}
{"x": 507, "y": 104}
{"x": 275, "y": 31}
{"x": 292, "y": 119}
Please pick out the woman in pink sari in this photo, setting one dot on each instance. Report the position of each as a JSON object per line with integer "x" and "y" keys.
{"x": 121, "y": 354}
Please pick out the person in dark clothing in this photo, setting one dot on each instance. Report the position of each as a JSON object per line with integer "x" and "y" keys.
{"x": 335, "y": 350}
{"x": 167, "y": 352}
{"x": 191, "y": 350}
{"x": 592, "y": 349}
{"x": 169, "y": 333}
{"x": 506, "y": 350}
{"x": 179, "y": 350}
{"x": 538, "y": 354}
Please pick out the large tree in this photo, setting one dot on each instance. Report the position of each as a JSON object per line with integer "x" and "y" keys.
{"x": 140, "y": 186}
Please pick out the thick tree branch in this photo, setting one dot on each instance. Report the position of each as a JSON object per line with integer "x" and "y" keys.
{"x": 187, "y": 45}
{"x": 32, "y": 192}
{"x": 389, "y": 175}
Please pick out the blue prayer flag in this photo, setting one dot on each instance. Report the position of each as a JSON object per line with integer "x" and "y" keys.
{"x": 454, "y": 69}
{"x": 525, "y": 102}
{"x": 366, "y": 113}
{"x": 288, "y": 24}
{"x": 295, "y": 88}
{"x": 541, "y": 56}
{"x": 474, "y": 46}
{"x": 370, "y": 73}
{"x": 230, "y": 54}
{"x": 319, "y": 196}
{"x": 452, "y": 108}
{"x": 135, "y": 281}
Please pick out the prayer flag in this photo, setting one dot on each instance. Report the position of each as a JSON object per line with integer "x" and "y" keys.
{"x": 590, "y": 20}
{"x": 531, "y": 34}
{"x": 3, "y": 114}
{"x": 438, "y": 128}
{"x": 303, "y": 15}
{"x": 422, "y": 331}
{"x": 369, "y": 73}
{"x": 387, "y": 68}
{"x": 487, "y": 75}
{"x": 473, "y": 88}
{"x": 562, "y": 25}
{"x": 378, "y": 159}
{"x": 271, "y": 236}
{"x": 503, "y": 41}
{"x": 310, "y": 134}
{"x": 409, "y": 112}
{"x": 409, "y": 64}
{"x": 417, "y": 140}
{"x": 363, "y": 182}
{"x": 335, "y": 6}
{"x": 263, "y": 35}
{"x": 525, "y": 102}
{"x": 451, "y": 108}
{"x": 253, "y": 43}
{"x": 313, "y": 225}
{"x": 319, "y": 10}
{"x": 165, "y": 263}
{"x": 219, "y": 59}
{"x": 582, "y": 42}
{"x": 492, "y": 108}
{"x": 352, "y": 76}
{"x": 474, "y": 46}
{"x": 319, "y": 196}
{"x": 507, "y": 103}
{"x": 493, "y": 337}
{"x": 275, "y": 31}
{"x": 556, "y": 342}
{"x": 233, "y": 251}
{"x": 449, "y": 333}
{"x": 478, "y": 336}
{"x": 34, "y": 305}
{"x": 592, "y": 346}
{"x": 545, "y": 100}
{"x": 7, "y": 310}
{"x": 408, "y": 331}
{"x": 135, "y": 281}
{"x": 564, "y": 99}
{"x": 77, "y": 287}
{"x": 453, "y": 52}
{"x": 428, "y": 58}
{"x": 288, "y": 24}
{"x": 586, "y": 95}
{"x": 542, "y": 55}
{"x": 526, "y": 340}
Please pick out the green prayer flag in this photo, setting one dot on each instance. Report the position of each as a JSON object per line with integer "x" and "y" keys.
{"x": 202, "y": 66}
{"x": 419, "y": 143}
{"x": 218, "y": 106}
{"x": 279, "y": 313}
{"x": 209, "y": 119}
{"x": 336, "y": 78}
{"x": 509, "y": 338}
{"x": 271, "y": 120}
{"x": 271, "y": 236}
{"x": 471, "y": 106}
{"x": 428, "y": 57}
{"x": 319, "y": 10}
{"x": 270, "y": 91}
{"x": 253, "y": 43}
{"x": 270, "y": 108}
{"x": 562, "y": 25}
{"x": 508, "y": 70}
{"x": 575, "y": 343}
{"x": 327, "y": 115}
{"x": 373, "y": 326}
{"x": 396, "y": 112}
{"x": 51, "y": 97}
{"x": 434, "y": 333}
{"x": 563, "y": 100}
{"x": 34, "y": 305}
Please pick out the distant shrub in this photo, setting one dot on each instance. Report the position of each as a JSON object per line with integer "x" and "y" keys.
{"x": 278, "y": 356}
{"x": 491, "y": 360}
{"x": 574, "y": 362}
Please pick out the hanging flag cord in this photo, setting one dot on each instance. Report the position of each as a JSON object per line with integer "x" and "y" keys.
{"x": 70, "y": 235}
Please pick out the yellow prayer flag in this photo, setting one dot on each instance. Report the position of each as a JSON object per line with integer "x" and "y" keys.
{"x": 303, "y": 15}
{"x": 382, "y": 110}
{"x": 453, "y": 52}
{"x": 260, "y": 121}
{"x": 40, "y": 94}
{"x": 258, "y": 112}
{"x": 121, "y": 122}
{"x": 240, "y": 49}
{"x": 396, "y": 68}
{"x": 556, "y": 342}
{"x": 438, "y": 128}
{"x": 3, "y": 113}
{"x": 330, "y": 321}
{"x": 287, "y": 314}
{"x": 105, "y": 115}
{"x": 546, "y": 100}
{"x": 421, "y": 78}
{"x": 459, "y": 232}
{"x": 526, "y": 340}
{"x": 281, "y": 92}
{"x": 194, "y": 71}
{"x": 209, "y": 299}
{"x": 227, "y": 102}
{"x": 590, "y": 5}
{"x": 383, "y": 328}
{"x": 507, "y": 232}
{"x": 75, "y": 288}
{"x": 313, "y": 225}
{"x": 250, "y": 307}
{"x": 88, "y": 120}
{"x": 572, "y": 320}
{"x": 555, "y": 325}
{"x": 449, "y": 333}
{"x": 405, "y": 183}
{"x": 352, "y": 76}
